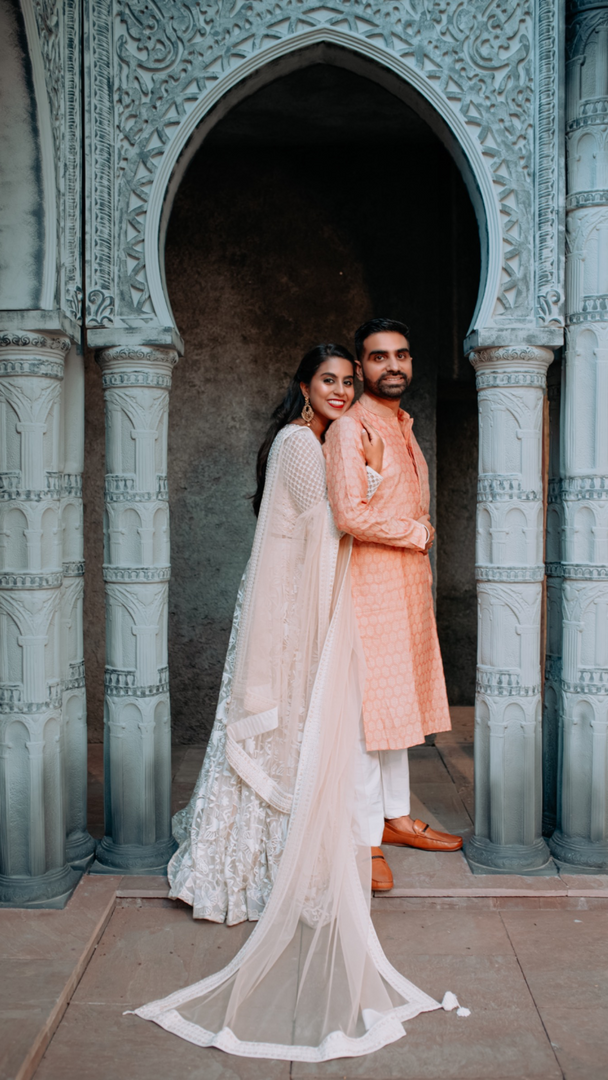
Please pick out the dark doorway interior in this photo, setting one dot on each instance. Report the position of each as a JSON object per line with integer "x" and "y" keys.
{"x": 316, "y": 203}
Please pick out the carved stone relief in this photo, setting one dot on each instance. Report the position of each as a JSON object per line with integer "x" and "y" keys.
{"x": 510, "y": 572}
{"x": 155, "y": 72}
{"x": 41, "y": 647}
{"x": 491, "y": 76}
{"x": 581, "y": 836}
{"x": 56, "y": 54}
{"x": 136, "y": 572}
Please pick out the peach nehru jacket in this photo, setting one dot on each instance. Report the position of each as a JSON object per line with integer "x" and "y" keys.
{"x": 405, "y": 696}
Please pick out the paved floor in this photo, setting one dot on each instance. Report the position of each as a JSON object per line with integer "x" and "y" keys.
{"x": 528, "y": 956}
{"x": 536, "y": 983}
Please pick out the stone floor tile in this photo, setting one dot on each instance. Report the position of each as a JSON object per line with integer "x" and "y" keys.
{"x": 459, "y": 762}
{"x": 33, "y": 982}
{"x": 149, "y": 951}
{"x": 583, "y": 986}
{"x": 579, "y": 1038}
{"x": 516, "y": 903}
{"x": 178, "y": 754}
{"x": 190, "y": 766}
{"x": 426, "y": 766}
{"x": 519, "y": 883}
{"x": 180, "y": 794}
{"x": 45, "y": 934}
{"x": 383, "y": 902}
{"x": 585, "y": 882}
{"x": 96, "y": 1042}
{"x": 481, "y": 983}
{"x": 463, "y": 726}
{"x": 511, "y": 1045}
{"x": 46, "y": 953}
{"x": 588, "y": 903}
{"x": 146, "y": 887}
{"x": 418, "y": 870}
{"x": 20, "y": 1029}
{"x": 441, "y": 933}
{"x": 467, "y": 797}
{"x": 440, "y": 806}
{"x": 557, "y": 939}
{"x": 413, "y": 868}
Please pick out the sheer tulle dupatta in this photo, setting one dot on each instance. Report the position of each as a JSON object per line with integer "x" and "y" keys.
{"x": 312, "y": 982}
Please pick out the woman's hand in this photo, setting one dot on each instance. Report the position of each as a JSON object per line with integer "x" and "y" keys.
{"x": 426, "y": 521}
{"x": 373, "y": 447}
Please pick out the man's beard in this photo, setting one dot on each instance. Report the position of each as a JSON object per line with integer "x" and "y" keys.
{"x": 391, "y": 393}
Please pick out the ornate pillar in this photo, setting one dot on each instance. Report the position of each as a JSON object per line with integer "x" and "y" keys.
{"x": 581, "y": 837}
{"x": 510, "y": 572}
{"x": 137, "y": 732}
{"x": 33, "y": 865}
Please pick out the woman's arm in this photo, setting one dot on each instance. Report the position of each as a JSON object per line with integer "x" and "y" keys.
{"x": 347, "y": 487}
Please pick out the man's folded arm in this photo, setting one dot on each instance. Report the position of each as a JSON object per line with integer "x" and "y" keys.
{"x": 347, "y": 490}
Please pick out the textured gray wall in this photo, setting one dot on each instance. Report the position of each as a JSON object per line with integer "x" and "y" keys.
{"x": 456, "y": 494}
{"x": 272, "y": 248}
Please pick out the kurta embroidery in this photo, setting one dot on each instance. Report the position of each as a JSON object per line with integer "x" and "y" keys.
{"x": 405, "y": 696}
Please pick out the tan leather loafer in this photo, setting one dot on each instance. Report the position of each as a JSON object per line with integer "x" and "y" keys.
{"x": 382, "y": 878}
{"x": 422, "y": 837}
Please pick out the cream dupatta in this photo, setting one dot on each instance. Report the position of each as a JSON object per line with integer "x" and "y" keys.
{"x": 311, "y": 982}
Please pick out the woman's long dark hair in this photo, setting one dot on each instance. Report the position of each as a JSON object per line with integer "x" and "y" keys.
{"x": 291, "y": 407}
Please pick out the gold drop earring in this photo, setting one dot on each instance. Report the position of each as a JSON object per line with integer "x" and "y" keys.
{"x": 308, "y": 412}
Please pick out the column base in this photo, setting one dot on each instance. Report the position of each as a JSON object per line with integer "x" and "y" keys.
{"x": 530, "y": 860}
{"x": 80, "y": 850}
{"x": 577, "y": 855}
{"x": 52, "y": 890}
{"x": 133, "y": 859}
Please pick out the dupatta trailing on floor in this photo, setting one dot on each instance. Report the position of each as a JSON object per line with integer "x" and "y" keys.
{"x": 312, "y": 981}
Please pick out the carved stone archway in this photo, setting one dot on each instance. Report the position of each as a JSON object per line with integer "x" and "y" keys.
{"x": 157, "y": 77}
{"x": 481, "y": 90}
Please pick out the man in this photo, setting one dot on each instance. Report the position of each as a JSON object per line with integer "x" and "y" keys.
{"x": 405, "y": 696}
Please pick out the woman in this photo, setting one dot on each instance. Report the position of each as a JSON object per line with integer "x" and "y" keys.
{"x": 271, "y": 832}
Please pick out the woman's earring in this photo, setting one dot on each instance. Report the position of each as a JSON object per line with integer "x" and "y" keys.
{"x": 308, "y": 412}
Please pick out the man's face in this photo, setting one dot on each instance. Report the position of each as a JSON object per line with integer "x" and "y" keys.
{"x": 386, "y": 365}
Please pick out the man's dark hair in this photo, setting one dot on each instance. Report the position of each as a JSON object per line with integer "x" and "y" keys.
{"x": 378, "y": 326}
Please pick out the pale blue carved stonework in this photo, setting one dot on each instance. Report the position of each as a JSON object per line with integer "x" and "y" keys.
{"x": 489, "y": 79}
{"x": 489, "y": 82}
{"x": 581, "y": 836}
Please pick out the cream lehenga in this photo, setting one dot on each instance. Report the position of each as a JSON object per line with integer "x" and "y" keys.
{"x": 271, "y": 830}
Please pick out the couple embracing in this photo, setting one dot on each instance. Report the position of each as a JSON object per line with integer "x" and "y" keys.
{"x": 333, "y": 670}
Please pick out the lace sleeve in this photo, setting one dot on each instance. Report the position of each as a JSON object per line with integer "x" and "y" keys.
{"x": 373, "y": 481}
{"x": 304, "y": 469}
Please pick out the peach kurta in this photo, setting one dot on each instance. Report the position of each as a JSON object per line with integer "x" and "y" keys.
{"x": 405, "y": 696}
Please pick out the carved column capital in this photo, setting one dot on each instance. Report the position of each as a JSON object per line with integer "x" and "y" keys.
{"x": 516, "y": 365}
{"x": 28, "y": 352}
{"x": 137, "y": 365}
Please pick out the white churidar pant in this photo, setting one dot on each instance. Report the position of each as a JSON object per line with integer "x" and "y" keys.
{"x": 382, "y": 789}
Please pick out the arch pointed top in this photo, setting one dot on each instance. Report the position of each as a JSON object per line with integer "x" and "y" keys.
{"x": 169, "y": 84}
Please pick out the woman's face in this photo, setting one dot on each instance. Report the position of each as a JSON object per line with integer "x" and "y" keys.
{"x": 332, "y": 388}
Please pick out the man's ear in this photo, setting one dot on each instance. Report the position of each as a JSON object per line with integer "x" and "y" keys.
{"x": 359, "y": 370}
